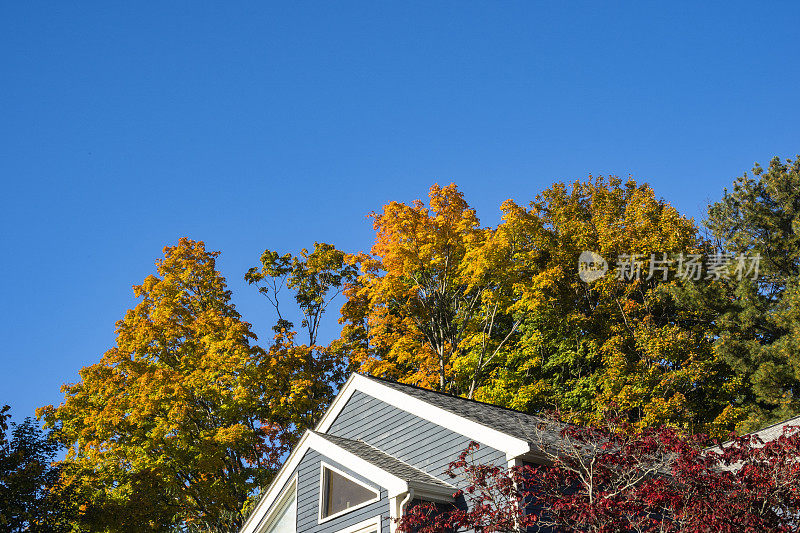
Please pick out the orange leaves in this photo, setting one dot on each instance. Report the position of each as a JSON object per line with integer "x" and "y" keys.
{"x": 410, "y": 238}
{"x": 408, "y": 313}
{"x": 174, "y": 399}
{"x": 501, "y": 312}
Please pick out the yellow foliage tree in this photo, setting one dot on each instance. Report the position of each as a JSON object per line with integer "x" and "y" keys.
{"x": 413, "y": 306}
{"x": 185, "y": 416}
{"x": 623, "y": 341}
{"x": 500, "y": 314}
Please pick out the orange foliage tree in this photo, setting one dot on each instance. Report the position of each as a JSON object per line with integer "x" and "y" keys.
{"x": 500, "y": 314}
{"x": 185, "y": 416}
{"x": 416, "y": 304}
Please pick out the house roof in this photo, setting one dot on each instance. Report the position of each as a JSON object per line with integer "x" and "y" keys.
{"x": 776, "y": 430}
{"x": 386, "y": 462}
{"x": 515, "y": 433}
{"x": 382, "y": 469}
{"x": 521, "y": 425}
{"x": 502, "y": 429}
{"x": 766, "y": 434}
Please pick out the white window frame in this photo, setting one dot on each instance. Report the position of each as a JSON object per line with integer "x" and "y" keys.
{"x": 322, "y": 466}
{"x": 365, "y": 526}
{"x": 285, "y": 495}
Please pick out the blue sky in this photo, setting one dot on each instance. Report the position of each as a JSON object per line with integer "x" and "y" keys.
{"x": 272, "y": 125}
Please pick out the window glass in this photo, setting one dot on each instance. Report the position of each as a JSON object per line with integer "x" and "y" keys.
{"x": 341, "y": 493}
{"x": 286, "y": 522}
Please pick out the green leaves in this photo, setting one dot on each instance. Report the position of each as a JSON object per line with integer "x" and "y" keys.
{"x": 29, "y": 500}
{"x": 758, "y": 323}
{"x": 316, "y": 278}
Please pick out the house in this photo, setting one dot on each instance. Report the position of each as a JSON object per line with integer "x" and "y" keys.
{"x": 378, "y": 447}
{"x": 382, "y": 445}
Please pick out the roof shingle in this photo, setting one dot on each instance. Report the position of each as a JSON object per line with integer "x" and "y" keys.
{"x": 384, "y": 461}
{"x": 515, "y": 423}
{"x": 776, "y": 430}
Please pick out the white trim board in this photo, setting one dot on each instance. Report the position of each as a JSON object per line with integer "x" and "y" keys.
{"x": 342, "y": 397}
{"x": 512, "y": 446}
{"x": 280, "y": 504}
{"x": 366, "y": 525}
{"x": 394, "y": 485}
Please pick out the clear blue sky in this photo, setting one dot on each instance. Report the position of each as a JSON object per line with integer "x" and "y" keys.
{"x": 251, "y": 125}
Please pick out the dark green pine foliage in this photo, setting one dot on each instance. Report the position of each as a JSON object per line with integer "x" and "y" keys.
{"x": 26, "y": 477}
{"x": 759, "y": 320}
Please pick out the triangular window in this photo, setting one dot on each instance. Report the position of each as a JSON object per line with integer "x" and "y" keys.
{"x": 341, "y": 493}
{"x": 285, "y": 518}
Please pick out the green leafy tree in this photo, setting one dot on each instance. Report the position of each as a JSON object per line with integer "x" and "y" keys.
{"x": 29, "y": 498}
{"x": 623, "y": 340}
{"x": 316, "y": 278}
{"x": 313, "y": 281}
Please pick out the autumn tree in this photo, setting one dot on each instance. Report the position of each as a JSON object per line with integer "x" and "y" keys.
{"x": 417, "y": 307}
{"x": 501, "y": 314}
{"x": 623, "y": 339}
{"x": 185, "y": 416}
{"x": 612, "y": 478}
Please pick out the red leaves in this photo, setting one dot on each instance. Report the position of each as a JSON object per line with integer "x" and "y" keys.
{"x": 612, "y": 479}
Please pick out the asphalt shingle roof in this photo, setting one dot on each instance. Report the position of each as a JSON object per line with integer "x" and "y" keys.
{"x": 776, "y": 430}
{"x": 515, "y": 423}
{"x": 384, "y": 461}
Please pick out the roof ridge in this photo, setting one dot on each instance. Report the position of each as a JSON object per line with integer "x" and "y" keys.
{"x": 776, "y": 424}
{"x": 447, "y": 395}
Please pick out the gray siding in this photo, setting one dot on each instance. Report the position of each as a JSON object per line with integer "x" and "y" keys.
{"x": 308, "y": 499}
{"x": 412, "y": 439}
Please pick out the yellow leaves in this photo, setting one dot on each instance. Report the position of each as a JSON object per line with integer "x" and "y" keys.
{"x": 652, "y": 366}
{"x": 231, "y": 435}
{"x": 178, "y": 393}
{"x": 407, "y": 306}
{"x": 580, "y": 347}
{"x": 412, "y": 237}
{"x": 660, "y": 411}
